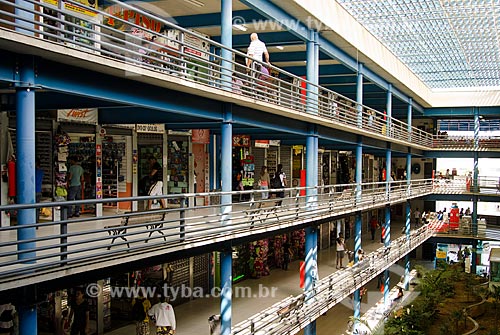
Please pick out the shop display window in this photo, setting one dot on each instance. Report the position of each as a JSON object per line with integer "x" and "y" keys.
{"x": 145, "y": 151}
{"x": 178, "y": 168}
{"x": 112, "y": 173}
{"x": 84, "y": 151}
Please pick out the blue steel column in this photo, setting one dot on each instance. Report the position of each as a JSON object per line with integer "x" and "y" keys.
{"x": 387, "y": 222}
{"x": 359, "y": 94}
{"x": 212, "y": 163}
{"x": 388, "y": 123}
{"x": 312, "y": 73}
{"x": 408, "y": 217}
{"x": 226, "y": 283}
{"x": 25, "y": 164}
{"x": 388, "y": 167}
{"x": 226, "y": 208}
{"x": 409, "y": 118}
{"x": 227, "y": 41}
{"x": 358, "y": 223}
{"x": 311, "y": 232}
{"x": 475, "y": 181}
{"x": 25, "y": 181}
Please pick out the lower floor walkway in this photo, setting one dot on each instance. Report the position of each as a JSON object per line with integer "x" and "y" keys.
{"x": 192, "y": 317}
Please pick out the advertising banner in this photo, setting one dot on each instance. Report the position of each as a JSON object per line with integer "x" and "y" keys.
{"x": 158, "y": 128}
{"x": 82, "y": 115}
{"x": 80, "y": 10}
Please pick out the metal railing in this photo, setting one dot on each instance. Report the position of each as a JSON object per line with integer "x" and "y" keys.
{"x": 59, "y": 243}
{"x": 109, "y": 32}
{"x": 466, "y": 143}
{"x": 329, "y": 291}
{"x": 464, "y": 184}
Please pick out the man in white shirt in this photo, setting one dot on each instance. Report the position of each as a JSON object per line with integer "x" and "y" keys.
{"x": 417, "y": 216}
{"x": 256, "y": 49}
{"x": 164, "y": 315}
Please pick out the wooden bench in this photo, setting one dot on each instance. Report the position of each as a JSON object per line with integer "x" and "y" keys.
{"x": 262, "y": 210}
{"x": 292, "y": 308}
{"x": 154, "y": 224}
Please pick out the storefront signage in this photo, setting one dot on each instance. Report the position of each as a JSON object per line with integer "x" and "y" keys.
{"x": 262, "y": 143}
{"x": 130, "y": 16}
{"x": 197, "y": 46}
{"x": 275, "y": 143}
{"x": 241, "y": 141}
{"x": 52, "y": 2}
{"x": 200, "y": 136}
{"x": 82, "y": 11}
{"x": 83, "y": 115}
{"x": 180, "y": 132}
{"x": 156, "y": 128}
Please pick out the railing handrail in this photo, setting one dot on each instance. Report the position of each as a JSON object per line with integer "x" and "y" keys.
{"x": 321, "y": 97}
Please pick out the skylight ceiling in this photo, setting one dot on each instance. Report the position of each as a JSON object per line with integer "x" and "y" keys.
{"x": 447, "y": 43}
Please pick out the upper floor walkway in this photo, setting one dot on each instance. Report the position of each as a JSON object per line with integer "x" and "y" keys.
{"x": 55, "y": 249}
{"x": 105, "y": 43}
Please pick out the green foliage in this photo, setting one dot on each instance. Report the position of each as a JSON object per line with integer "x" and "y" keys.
{"x": 433, "y": 286}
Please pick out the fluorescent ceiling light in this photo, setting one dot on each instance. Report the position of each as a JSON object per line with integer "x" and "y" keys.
{"x": 279, "y": 47}
{"x": 240, "y": 27}
{"x": 195, "y": 3}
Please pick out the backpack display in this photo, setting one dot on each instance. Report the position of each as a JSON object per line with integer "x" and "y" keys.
{"x": 138, "y": 313}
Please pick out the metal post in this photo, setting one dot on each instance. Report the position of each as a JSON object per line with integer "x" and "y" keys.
{"x": 359, "y": 168}
{"x": 182, "y": 221}
{"x": 389, "y": 111}
{"x": 311, "y": 169}
{"x": 311, "y": 270}
{"x": 409, "y": 118}
{"x": 359, "y": 94}
{"x": 226, "y": 162}
{"x": 227, "y": 41}
{"x": 311, "y": 74}
{"x": 475, "y": 196}
{"x": 226, "y": 283}
{"x": 25, "y": 165}
{"x": 388, "y": 167}
{"x": 25, "y": 162}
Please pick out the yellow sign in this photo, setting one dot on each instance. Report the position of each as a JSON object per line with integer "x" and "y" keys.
{"x": 440, "y": 254}
{"x": 82, "y": 10}
{"x": 52, "y": 2}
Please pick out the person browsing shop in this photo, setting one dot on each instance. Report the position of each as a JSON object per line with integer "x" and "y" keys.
{"x": 156, "y": 177}
{"x": 79, "y": 313}
{"x": 264, "y": 182}
{"x": 75, "y": 179}
{"x": 164, "y": 315}
{"x": 340, "y": 242}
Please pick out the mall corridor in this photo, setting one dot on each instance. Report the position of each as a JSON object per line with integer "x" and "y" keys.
{"x": 192, "y": 317}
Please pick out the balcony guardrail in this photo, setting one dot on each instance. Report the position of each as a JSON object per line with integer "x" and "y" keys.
{"x": 109, "y": 32}
{"x": 158, "y": 45}
{"x": 64, "y": 243}
{"x": 329, "y": 291}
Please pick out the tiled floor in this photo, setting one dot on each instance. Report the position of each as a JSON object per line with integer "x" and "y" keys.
{"x": 192, "y": 317}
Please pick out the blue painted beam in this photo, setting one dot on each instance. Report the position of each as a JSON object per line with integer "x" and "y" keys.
{"x": 461, "y": 154}
{"x": 461, "y": 197}
{"x": 330, "y": 69}
{"x": 61, "y": 78}
{"x": 453, "y": 112}
{"x": 270, "y": 10}
{"x": 292, "y": 56}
